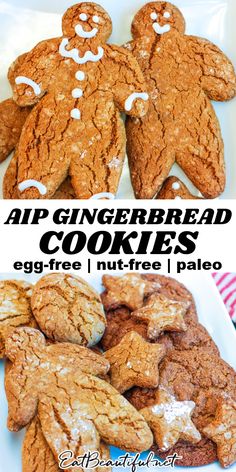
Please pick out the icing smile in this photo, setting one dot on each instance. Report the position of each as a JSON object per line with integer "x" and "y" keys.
{"x": 160, "y": 29}
{"x": 85, "y": 34}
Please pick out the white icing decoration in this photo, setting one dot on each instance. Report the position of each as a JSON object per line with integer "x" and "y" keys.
{"x": 74, "y": 53}
{"x": 32, "y": 183}
{"x": 25, "y": 80}
{"x": 178, "y": 198}
{"x": 98, "y": 196}
{"x": 130, "y": 100}
{"x": 83, "y": 17}
{"x": 80, "y": 75}
{"x": 160, "y": 29}
{"x": 154, "y": 16}
{"x": 176, "y": 186}
{"x": 77, "y": 93}
{"x": 167, "y": 14}
{"x": 85, "y": 34}
{"x": 75, "y": 113}
{"x": 96, "y": 19}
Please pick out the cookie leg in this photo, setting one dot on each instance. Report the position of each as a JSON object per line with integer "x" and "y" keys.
{"x": 98, "y": 168}
{"x": 201, "y": 152}
{"x": 150, "y": 156}
{"x": 43, "y": 162}
{"x": 12, "y": 119}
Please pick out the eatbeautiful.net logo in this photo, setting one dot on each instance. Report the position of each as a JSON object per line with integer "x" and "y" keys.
{"x": 91, "y": 460}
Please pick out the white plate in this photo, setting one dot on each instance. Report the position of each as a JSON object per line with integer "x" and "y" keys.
{"x": 23, "y": 23}
{"x": 212, "y": 314}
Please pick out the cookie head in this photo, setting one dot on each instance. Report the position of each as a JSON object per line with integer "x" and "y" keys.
{"x": 88, "y": 22}
{"x": 156, "y": 19}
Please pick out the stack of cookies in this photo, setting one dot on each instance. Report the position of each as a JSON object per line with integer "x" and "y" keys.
{"x": 67, "y": 94}
{"x": 132, "y": 368}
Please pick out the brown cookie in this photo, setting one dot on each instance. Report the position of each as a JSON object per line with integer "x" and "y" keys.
{"x": 134, "y": 362}
{"x": 10, "y": 190}
{"x": 79, "y": 85}
{"x": 76, "y": 409}
{"x": 183, "y": 73}
{"x": 174, "y": 189}
{"x": 12, "y": 119}
{"x": 15, "y": 309}
{"x": 68, "y": 309}
{"x": 119, "y": 320}
{"x": 37, "y": 455}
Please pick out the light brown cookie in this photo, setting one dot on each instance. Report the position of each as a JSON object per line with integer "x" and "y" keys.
{"x": 68, "y": 309}
{"x": 10, "y": 190}
{"x": 79, "y": 85}
{"x": 222, "y": 430}
{"x": 76, "y": 409}
{"x": 174, "y": 189}
{"x": 183, "y": 73}
{"x": 38, "y": 457}
{"x": 15, "y": 309}
{"x": 134, "y": 362}
{"x": 162, "y": 314}
{"x": 12, "y": 118}
{"x": 128, "y": 290}
{"x": 170, "y": 420}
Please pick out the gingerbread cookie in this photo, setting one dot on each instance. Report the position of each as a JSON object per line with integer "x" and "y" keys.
{"x": 76, "y": 409}
{"x": 222, "y": 431}
{"x": 134, "y": 362}
{"x": 10, "y": 191}
{"x": 12, "y": 118}
{"x": 68, "y": 309}
{"x": 191, "y": 370}
{"x": 79, "y": 85}
{"x": 162, "y": 314}
{"x": 15, "y": 309}
{"x": 183, "y": 73}
{"x": 36, "y": 454}
{"x": 119, "y": 319}
{"x": 170, "y": 420}
{"x": 174, "y": 189}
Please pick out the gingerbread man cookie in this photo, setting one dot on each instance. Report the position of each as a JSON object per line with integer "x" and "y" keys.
{"x": 76, "y": 409}
{"x": 174, "y": 189}
{"x": 15, "y": 309}
{"x": 12, "y": 118}
{"x": 79, "y": 84}
{"x": 68, "y": 309}
{"x": 37, "y": 455}
{"x": 183, "y": 74}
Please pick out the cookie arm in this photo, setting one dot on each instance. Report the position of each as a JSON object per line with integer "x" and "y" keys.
{"x": 128, "y": 83}
{"x": 31, "y": 78}
{"x": 218, "y": 77}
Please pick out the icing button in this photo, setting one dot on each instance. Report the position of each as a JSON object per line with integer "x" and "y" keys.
{"x": 77, "y": 93}
{"x": 80, "y": 75}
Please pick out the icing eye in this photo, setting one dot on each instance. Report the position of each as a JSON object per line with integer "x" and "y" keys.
{"x": 96, "y": 19}
{"x": 83, "y": 16}
{"x": 153, "y": 16}
{"x": 166, "y": 14}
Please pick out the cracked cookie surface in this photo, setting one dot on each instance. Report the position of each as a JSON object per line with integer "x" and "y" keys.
{"x": 183, "y": 73}
{"x": 76, "y": 409}
{"x": 79, "y": 85}
{"x": 15, "y": 309}
{"x": 68, "y": 309}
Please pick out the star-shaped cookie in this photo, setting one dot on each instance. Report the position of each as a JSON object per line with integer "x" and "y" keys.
{"x": 162, "y": 314}
{"x": 222, "y": 430}
{"x": 128, "y": 290}
{"x": 134, "y": 362}
{"x": 170, "y": 420}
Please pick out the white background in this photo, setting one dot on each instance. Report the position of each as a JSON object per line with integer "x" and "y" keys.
{"x": 23, "y": 23}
